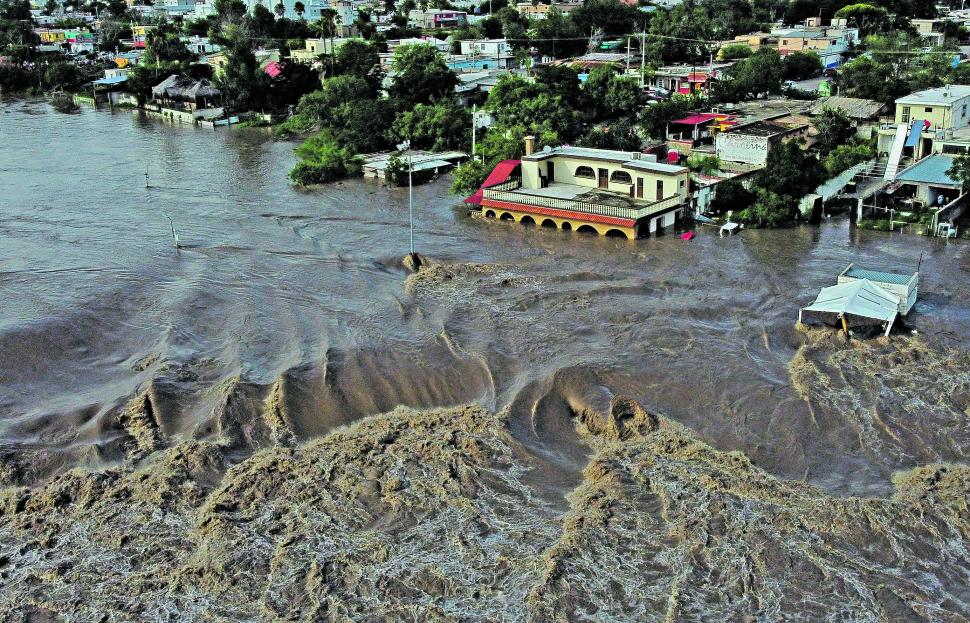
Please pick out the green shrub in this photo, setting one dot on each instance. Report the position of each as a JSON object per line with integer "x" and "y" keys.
{"x": 468, "y": 177}
{"x": 323, "y": 161}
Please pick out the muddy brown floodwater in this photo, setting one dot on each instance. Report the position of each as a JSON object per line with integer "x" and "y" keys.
{"x": 279, "y": 422}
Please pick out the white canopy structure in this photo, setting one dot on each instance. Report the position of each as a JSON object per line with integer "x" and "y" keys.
{"x": 858, "y": 303}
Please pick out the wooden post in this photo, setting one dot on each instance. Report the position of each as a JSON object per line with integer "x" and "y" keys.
{"x": 845, "y": 326}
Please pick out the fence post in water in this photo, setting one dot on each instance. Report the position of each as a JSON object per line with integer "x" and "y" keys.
{"x": 175, "y": 236}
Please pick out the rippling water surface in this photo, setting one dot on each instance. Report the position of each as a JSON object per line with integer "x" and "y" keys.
{"x": 304, "y": 290}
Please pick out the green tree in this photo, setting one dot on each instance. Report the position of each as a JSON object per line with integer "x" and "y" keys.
{"x": 163, "y": 45}
{"x": 360, "y": 59}
{"x": 17, "y": 37}
{"x": 655, "y": 117}
{"x": 610, "y": 16}
{"x": 558, "y": 35}
{"x": 757, "y": 75}
{"x": 279, "y": 10}
{"x": 848, "y": 155}
{"x": 731, "y": 195}
{"x": 624, "y": 96}
{"x": 515, "y": 101}
{"x": 241, "y": 81}
{"x": 438, "y": 126}
{"x": 681, "y": 32}
{"x": 596, "y": 87}
{"x": 730, "y": 17}
{"x": 868, "y": 18}
{"x": 769, "y": 210}
{"x": 468, "y": 177}
{"x": 790, "y": 171}
{"x": 419, "y": 76}
{"x": 834, "y": 129}
{"x": 62, "y": 75}
{"x": 299, "y": 8}
{"x": 263, "y": 22}
{"x": 707, "y": 165}
{"x": 560, "y": 80}
{"x": 734, "y": 51}
{"x": 960, "y": 170}
{"x": 620, "y": 134}
{"x": 802, "y": 65}
{"x": 323, "y": 160}
{"x": 327, "y": 27}
{"x": 346, "y": 111}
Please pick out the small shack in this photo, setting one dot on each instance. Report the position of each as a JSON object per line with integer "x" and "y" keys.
{"x": 859, "y": 303}
{"x": 183, "y": 93}
{"x": 900, "y": 285}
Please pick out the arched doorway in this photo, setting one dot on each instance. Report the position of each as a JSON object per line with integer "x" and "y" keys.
{"x": 507, "y": 217}
{"x": 489, "y": 214}
{"x": 528, "y": 220}
{"x": 586, "y": 229}
{"x": 549, "y": 223}
{"x": 566, "y": 226}
{"x": 616, "y": 233}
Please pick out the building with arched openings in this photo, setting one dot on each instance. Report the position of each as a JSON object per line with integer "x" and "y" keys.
{"x": 612, "y": 193}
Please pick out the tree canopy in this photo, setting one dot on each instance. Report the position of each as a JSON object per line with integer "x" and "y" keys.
{"x": 420, "y": 76}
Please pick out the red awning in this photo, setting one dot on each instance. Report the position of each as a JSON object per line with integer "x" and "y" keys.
{"x": 696, "y": 119}
{"x": 499, "y": 174}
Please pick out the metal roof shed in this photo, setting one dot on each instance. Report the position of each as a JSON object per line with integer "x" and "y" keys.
{"x": 903, "y": 286}
{"x": 859, "y": 303}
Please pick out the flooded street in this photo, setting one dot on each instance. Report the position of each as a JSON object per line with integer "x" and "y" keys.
{"x": 287, "y": 314}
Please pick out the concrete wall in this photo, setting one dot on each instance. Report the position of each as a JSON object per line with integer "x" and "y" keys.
{"x": 570, "y": 224}
{"x": 565, "y": 173}
{"x": 954, "y": 115}
{"x": 737, "y": 147}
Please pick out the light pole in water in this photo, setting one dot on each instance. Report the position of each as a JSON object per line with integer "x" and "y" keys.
{"x": 406, "y": 146}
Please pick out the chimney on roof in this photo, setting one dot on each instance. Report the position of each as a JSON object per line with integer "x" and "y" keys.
{"x": 530, "y": 145}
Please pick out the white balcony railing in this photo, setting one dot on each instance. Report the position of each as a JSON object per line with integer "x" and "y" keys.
{"x": 507, "y": 191}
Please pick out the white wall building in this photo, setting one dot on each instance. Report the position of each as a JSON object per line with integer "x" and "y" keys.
{"x": 485, "y": 47}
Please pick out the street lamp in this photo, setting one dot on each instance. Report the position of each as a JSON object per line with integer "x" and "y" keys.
{"x": 406, "y": 146}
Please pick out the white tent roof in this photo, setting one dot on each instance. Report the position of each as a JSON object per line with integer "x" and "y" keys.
{"x": 862, "y": 300}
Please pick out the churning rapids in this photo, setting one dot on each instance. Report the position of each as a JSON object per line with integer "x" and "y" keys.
{"x": 280, "y": 422}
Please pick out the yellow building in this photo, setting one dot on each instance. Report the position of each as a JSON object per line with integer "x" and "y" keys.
{"x": 49, "y": 36}
{"x": 541, "y": 11}
{"x": 616, "y": 193}
{"x": 945, "y": 108}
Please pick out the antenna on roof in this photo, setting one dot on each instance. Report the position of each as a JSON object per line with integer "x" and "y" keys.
{"x": 175, "y": 236}
{"x": 146, "y": 175}
{"x": 920, "y": 262}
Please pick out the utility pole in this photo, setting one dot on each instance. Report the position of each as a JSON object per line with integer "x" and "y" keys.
{"x": 474, "y": 119}
{"x": 406, "y": 146}
{"x": 643, "y": 57}
{"x": 627, "y": 55}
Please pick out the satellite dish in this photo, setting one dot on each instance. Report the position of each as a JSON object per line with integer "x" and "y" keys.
{"x": 546, "y": 149}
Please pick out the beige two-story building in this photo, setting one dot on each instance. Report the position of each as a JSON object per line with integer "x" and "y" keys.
{"x": 616, "y": 193}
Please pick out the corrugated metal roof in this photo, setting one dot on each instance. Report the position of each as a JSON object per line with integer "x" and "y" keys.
{"x": 852, "y": 106}
{"x": 930, "y": 170}
{"x": 878, "y": 276}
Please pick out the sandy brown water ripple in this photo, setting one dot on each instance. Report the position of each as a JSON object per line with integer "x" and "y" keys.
{"x": 278, "y": 421}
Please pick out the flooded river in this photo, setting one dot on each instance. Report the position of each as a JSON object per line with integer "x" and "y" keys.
{"x": 295, "y": 303}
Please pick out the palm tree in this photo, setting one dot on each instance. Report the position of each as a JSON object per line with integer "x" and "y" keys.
{"x": 299, "y": 8}
{"x": 327, "y": 27}
{"x": 280, "y": 10}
